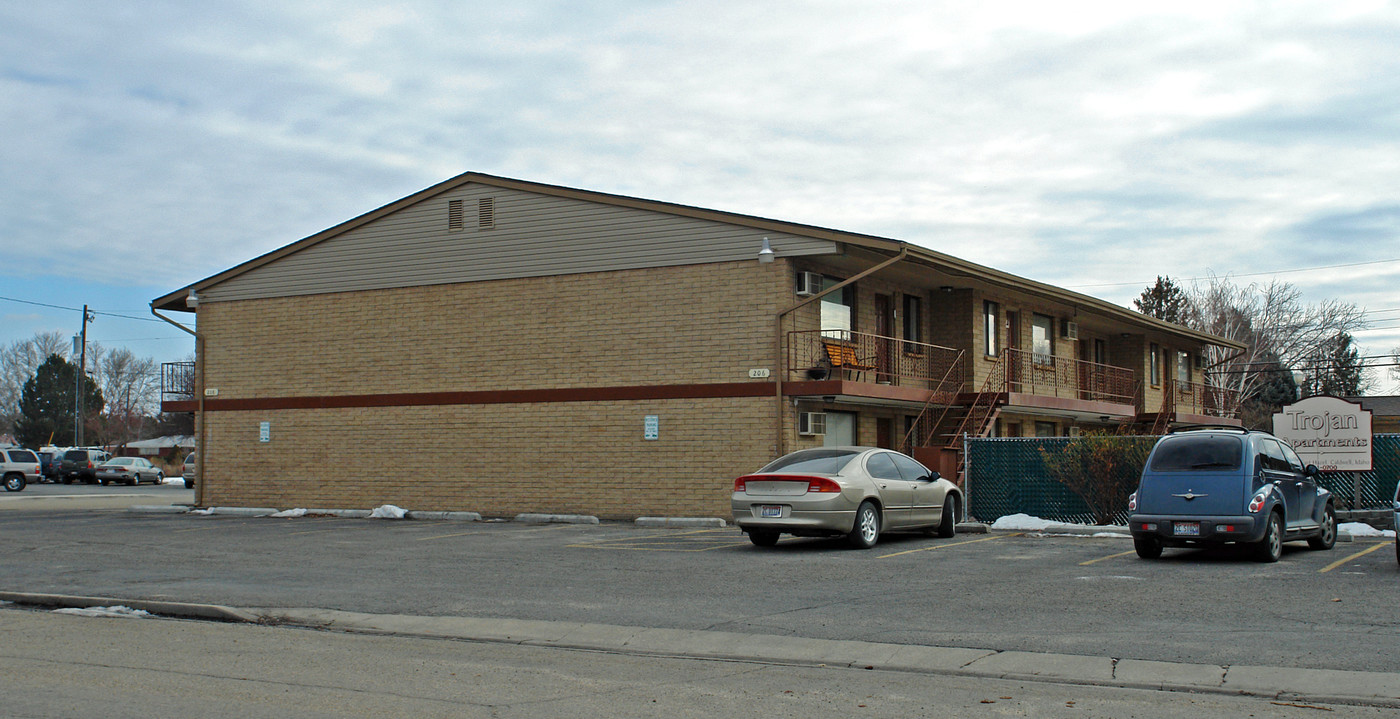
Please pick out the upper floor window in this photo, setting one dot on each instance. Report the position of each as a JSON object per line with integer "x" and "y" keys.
{"x": 838, "y": 310}
{"x": 913, "y": 320}
{"x": 1154, "y": 363}
{"x": 990, "y": 313}
{"x": 1183, "y": 367}
{"x": 1043, "y": 339}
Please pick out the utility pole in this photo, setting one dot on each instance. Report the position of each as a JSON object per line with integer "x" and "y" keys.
{"x": 82, "y": 374}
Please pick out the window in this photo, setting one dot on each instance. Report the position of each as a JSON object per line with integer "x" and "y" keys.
{"x": 881, "y": 466}
{"x": 1154, "y": 361}
{"x": 1183, "y": 367}
{"x": 1042, "y": 339}
{"x": 913, "y": 321}
{"x": 1045, "y": 429}
{"x": 1100, "y": 352}
{"x": 1184, "y": 453}
{"x": 990, "y": 328}
{"x": 838, "y": 315}
{"x": 912, "y": 471}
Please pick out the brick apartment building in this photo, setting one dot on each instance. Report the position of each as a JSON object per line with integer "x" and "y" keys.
{"x": 502, "y": 346}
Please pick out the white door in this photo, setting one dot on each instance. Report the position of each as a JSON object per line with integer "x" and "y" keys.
{"x": 840, "y": 429}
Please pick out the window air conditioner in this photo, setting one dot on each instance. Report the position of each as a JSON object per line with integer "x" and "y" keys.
{"x": 1073, "y": 431}
{"x": 808, "y": 283}
{"x": 1069, "y": 330}
{"x": 811, "y": 423}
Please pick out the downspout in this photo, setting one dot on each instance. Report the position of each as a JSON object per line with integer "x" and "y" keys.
{"x": 780, "y": 438}
{"x": 199, "y": 412}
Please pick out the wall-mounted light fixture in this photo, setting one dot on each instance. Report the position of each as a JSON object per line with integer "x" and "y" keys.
{"x": 192, "y": 301}
{"x": 765, "y": 255}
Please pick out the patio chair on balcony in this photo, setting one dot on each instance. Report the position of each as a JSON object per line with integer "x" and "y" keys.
{"x": 842, "y": 356}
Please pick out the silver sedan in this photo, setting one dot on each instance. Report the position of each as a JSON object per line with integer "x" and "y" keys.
{"x": 858, "y": 492}
{"x": 129, "y": 470}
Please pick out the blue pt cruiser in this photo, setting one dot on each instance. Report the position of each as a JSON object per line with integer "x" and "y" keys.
{"x": 1218, "y": 485}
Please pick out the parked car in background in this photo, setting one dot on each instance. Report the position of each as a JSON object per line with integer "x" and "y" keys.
{"x": 50, "y": 461}
{"x": 1228, "y": 485}
{"x": 18, "y": 468}
{"x": 129, "y": 470}
{"x": 81, "y": 464}
{"x": 190, "y": 471}
{"x": 858, "y": 492}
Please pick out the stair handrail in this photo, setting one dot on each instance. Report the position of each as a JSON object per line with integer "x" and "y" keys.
{"x": 957, "y": 364}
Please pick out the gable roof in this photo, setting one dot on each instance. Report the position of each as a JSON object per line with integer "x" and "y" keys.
{"x": 948, "y": 264}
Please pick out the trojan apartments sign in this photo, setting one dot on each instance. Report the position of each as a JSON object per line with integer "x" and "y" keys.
{"x": 1332, "y": 433}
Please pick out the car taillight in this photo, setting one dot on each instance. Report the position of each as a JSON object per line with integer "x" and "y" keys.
{"x": 1257, "y": 503}
{"x": 741, "y": 484}
{"x": 1132, "y": 502}
{"x": 822, "y": 484}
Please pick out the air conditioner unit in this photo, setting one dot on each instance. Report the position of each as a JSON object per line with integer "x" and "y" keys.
{"x": 811, "y": 423}
{"x": 1073, "y": 431}
{"x": 808, "y": 283}
{"x": 1069, "y": 330}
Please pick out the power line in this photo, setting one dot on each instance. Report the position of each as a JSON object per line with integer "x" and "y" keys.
{"x": 1246, "y": 274}
{"x": 76, "y": 309}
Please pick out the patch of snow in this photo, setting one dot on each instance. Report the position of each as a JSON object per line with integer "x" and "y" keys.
{"x": 120, "y": 611}
{"x": 388, "y": 511}
{"x": 205, "y": 512}
{"x": 1361, "y": 529}
{"x": 1021, "y": 523}
{"x": 298, "y": 512}
{"x": 1095, "y": 534}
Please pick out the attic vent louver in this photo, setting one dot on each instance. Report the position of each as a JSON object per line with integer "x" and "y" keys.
{"x": 486, "y": 212}
{"x": 454, "y": 215}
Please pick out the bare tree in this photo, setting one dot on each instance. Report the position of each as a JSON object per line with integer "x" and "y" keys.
{"x": 131, "y": 385}
{"x": 18, "y": 362}
{"x": 1273, "y": 323}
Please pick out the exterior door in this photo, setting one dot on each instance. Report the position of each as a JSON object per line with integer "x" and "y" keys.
{"x": 840, "y": 429}
{"x": 884, "y": 346}
{"x": 1014, "y": 361}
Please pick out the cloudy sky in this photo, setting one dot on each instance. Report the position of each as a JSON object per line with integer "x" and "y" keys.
{"x": 1093, "y": 145}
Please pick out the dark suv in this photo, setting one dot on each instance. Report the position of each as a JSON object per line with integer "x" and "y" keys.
{"x": 1228, "y": 485}
{"x": 82, "y": 464}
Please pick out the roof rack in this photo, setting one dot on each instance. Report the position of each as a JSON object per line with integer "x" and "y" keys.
{"x": 1199, "y": 427}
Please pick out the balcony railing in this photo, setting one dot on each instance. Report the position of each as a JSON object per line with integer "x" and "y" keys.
{"x": 1196, "y": 398}
{"x": 1051, "y": 376}
{"x": 177, "y": 381}
{"x": 842, "y": 354}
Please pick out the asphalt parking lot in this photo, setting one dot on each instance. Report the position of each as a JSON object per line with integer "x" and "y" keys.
{"x": 1004, "y": 591}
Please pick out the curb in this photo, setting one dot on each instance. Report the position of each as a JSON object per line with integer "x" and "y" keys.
{"x": 215, "y": 612}
{"x": 531, "y": 518}
{"x": 679, "y": 522}
{"x": 1318, "y": 685}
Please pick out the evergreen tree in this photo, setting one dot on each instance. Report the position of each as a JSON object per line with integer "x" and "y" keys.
{"x": 1164, "y": 300}
{"x": 46, "y": 404}
{"x": 1336, "y": 369}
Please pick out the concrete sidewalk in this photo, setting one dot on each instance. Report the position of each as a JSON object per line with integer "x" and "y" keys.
{"x": 1281, "y": 683}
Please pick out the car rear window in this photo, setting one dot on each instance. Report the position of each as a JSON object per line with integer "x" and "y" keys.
{"x": 1180, "y": 454}
{"x": 76, "y": 455}
{"x": 817, "y": 461}
{"x": 22, "y": 455}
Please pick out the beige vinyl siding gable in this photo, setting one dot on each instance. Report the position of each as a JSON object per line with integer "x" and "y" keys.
{"x": 531, "y": 235}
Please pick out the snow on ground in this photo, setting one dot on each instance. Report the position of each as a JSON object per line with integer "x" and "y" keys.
{"x": 113, "y": 611}
{"x": 387, "y": 511}
{"x": 1021, "y": 523}
{"x": 298, "y": 512}
{"x": 1361, "y": 529}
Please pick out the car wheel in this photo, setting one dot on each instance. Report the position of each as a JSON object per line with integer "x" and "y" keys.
{"x": 160, "y": 477}
{"x": 867, "y": 527}
{"x": 102, "y": 482}
{"x": 1327, "y": 536}
{"x": 1148, "y": 547}
{"x": 188, "y": 483}
{"x": 1270, "y": 548}
{"x": 69, "y": 480}
{"x": 948, "y": 526}
{"x": 14, "y": 483}
{"x": 1397, "y": 549}
{"x": 135, "y": 481}
{"x": 763, "y": 539}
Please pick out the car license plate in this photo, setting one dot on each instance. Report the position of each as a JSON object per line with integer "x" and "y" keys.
{"x": 1189, "y": 529}
{"x": 770, "y": 510}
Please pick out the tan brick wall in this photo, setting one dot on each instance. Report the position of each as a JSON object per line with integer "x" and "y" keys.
{"x": 576, "y": 457}
{"x": 672, "y": 325}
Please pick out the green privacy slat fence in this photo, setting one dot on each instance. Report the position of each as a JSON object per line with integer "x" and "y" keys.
{"x": 1038, "y": 477}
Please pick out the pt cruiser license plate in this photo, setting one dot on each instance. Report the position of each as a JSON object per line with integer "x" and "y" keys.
{"x": 1187, "y": 529}
{"x": 770, "y": 510}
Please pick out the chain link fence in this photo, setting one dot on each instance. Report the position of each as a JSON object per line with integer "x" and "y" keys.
{"x": 1047, "y": 478}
